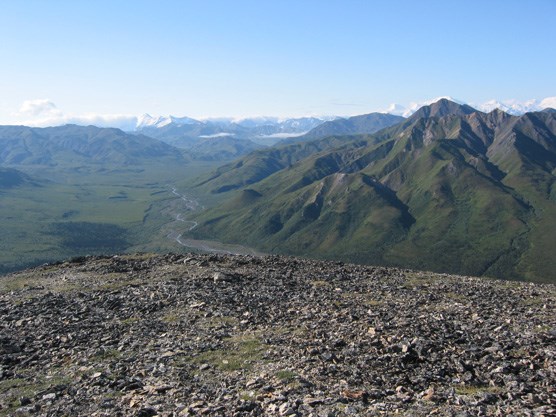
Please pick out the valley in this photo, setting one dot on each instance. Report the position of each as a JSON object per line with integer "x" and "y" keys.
{"x": 448, "y": 189}
{"x": 183, "y": 227}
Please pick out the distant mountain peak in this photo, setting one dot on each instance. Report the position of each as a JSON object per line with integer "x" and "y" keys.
{"x": 511, "y": 106}
{"x": 146, "y": 120}
{"x": 443, "y": 107}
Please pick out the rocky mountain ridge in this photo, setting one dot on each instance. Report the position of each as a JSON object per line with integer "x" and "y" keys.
{"x": 186, "y": 335}
{"x": 449, "y": 189}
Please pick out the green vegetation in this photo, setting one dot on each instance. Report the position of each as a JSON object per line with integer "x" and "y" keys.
{"x": 241, "y": 353}
{"x": 471, "y": 390}
{"x": 12, "y": 390}
{"x": 73, "y": 190}
{"x": 446, "y": 193}
{"x": 286, "y": 376}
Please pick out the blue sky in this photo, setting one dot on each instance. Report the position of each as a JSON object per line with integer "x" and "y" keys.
{"x": 281, "y": 58}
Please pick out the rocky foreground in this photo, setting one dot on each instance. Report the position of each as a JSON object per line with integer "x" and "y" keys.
{"x": 215, "y": 335}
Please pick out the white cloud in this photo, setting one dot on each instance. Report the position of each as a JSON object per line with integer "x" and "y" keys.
{"x": 216, "y": 135}
{"x": 43, "y": 113}
{"x": 283, "y": 135}
{"x": 549, "y": 102}
{"x": 38, "y": 108}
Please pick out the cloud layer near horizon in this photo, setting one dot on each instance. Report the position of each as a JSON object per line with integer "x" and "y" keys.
{"x": 44, "y": 112}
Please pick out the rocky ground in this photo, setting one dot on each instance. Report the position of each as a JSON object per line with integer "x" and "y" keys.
{"x": 219, "y": 335}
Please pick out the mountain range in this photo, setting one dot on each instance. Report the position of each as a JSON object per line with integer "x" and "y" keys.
{"x": 221, "y": 139}
{"x": 79, "y": 146}
{"x": 449, "y": 189}
{"x": 185, "y": 132}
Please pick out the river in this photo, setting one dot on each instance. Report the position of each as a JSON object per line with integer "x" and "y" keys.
{"x": 191, "y": 204}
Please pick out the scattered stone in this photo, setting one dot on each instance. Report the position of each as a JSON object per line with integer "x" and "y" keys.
{"x": 220, "y": 335}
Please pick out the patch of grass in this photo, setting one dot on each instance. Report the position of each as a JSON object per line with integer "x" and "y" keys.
{"x": 16, "y": 283}
{"x": 286, "y": 376}
{"x": 11, "y": 390}
{"x": 371, "y": 302}
{"x": 542, "y": 328}
{"x": 476, "y": 389}
{"x": 248, "y": 396}
{"x": 534, "y": 301}
{"x": 221, "y": 321}
{"x": 244, "y": 351}
{"x": 455, "y": 296}
{"x": 171, "y": 317}
{"x": 413, "y": 281}
{"x": 129, "y": 320}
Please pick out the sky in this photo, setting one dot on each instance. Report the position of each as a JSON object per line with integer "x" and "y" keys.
{"x": 106, "y": 62}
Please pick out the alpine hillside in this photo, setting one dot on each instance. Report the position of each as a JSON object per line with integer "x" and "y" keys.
{"x": 449, "y": 189}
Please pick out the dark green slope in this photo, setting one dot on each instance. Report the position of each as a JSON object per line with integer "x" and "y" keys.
{"x": 260, "y": 164}
{"x": 464, "y": 192}
{"x": 528, "y": 154}
{"x": 10, "y": 178}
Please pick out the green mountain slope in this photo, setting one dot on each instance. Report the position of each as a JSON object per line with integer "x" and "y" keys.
{"x": 454, "y": 190}
{"x": 260, "y": 164}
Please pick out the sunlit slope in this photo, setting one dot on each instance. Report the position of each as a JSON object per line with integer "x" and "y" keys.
{"x": 463, "y": 191}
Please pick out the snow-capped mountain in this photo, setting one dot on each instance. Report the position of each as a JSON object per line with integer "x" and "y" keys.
{"x": 146, "y": 120}
{"x": 516, "y": 107}
{"x": 511, "y": 106}
{"x": 185, "y": 132}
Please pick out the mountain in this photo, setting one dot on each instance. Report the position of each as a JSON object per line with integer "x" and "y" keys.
{"x": 513, "y": 107}
{"x": 518, "y": 108}
{"x": 450, "y": 189}
{"x": 442, "y": 107}
{"x": 356, "y": 125}
{"x": 260, "y": 164}
{"x": 148, "y": 121}
{"x": 246, "y": 134}
{"x": 76, "y": 190}
{"x": 77, "y": 146}
{"x": 221, "y": 148}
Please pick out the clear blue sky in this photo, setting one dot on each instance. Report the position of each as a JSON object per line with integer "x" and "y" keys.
{"x": 239, "y": 58}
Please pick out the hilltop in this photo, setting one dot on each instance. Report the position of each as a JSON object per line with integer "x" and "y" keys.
{"x": 168, "y": 335}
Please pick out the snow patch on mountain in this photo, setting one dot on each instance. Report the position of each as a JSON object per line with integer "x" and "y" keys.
{"x": 517, "y": 107}
{"x": 146, "y": 120}
{"x": 511, "y": 106}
